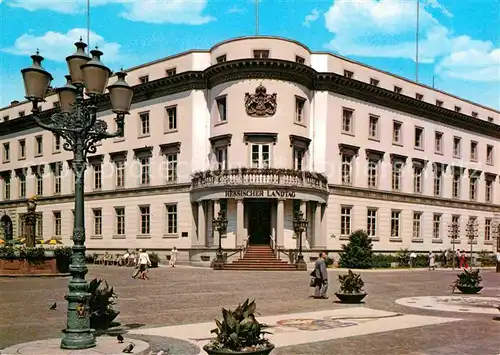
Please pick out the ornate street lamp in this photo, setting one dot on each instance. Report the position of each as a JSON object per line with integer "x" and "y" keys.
{"x": 471, "y": 230}
{"x": 78, "y": 125}
{"x": 299, "y": 226}
{"x": 454, "y": 234}
{"x": 220, "y": 225}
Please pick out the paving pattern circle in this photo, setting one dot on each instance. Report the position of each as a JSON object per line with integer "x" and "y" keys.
{"x": 458, "y": 303}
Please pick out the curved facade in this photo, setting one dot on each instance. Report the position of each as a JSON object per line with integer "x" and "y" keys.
{"x": 260, "y": 127}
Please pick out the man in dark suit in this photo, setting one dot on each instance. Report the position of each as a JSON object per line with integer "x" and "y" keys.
{"x": 321, "y": 277}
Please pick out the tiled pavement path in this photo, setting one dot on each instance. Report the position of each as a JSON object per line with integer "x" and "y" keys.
{"x": 192, "y": 295}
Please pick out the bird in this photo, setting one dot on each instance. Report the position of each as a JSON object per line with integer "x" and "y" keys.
{"x": 128, "y": 349}
{"x": 119, "y": 337}
{"x": 54, "y": 306}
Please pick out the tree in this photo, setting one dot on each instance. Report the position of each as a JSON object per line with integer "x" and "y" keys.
{"x": 358, "y": 253}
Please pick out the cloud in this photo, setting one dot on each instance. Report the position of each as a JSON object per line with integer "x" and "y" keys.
{"x": 312, "y": 17}
{"x": 436, "y": 5}
{"x": 188, "y": 12}
{"x": 386, "y": 29}
{"x": 475, "y": 64}
{"x": 236, "y": 10}
{"x": 57, "y": 46}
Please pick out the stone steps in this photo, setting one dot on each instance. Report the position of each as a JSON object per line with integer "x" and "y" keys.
{"x": 260, "y": 258}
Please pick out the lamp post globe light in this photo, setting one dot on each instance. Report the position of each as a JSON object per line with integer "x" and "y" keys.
{"x": 220, "y": 225}
{"x": 299, "y": 226}
{"x": 472, "y": 229}
{"x": 77, "y": 123}
{"x": 454, "y": 234}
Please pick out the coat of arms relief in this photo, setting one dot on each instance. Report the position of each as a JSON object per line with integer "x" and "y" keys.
{"x": 260, "y": 104}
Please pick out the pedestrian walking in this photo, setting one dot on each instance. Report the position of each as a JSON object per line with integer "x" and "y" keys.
{"x": 432, "y": 261}
{"x": 446, "y": 257}
{"x": 498, "y": 261}
{"x": 413, "y": 259}
{"x": 320, "y": 275}
{"x": 457, "y": 257}
{"x": 144, "y": 263}
{"x": 173, "y": 256}
{"x": 463, "y": 260}
{"x": 135, "y": 263}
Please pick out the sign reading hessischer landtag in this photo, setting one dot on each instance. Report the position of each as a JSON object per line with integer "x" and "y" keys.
{"x": 259, "y": 193}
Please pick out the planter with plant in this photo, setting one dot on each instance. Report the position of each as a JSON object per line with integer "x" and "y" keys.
{"x": 102, "y": 300}
{"x": 239, "y": 333}
{"x": 468, "y": 282}
{"x": 155, "y": 259}
{"x": 351, "y": 288}
{"x": 63, "y": 258}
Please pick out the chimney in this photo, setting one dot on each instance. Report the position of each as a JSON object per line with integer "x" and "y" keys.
{"x": 15, "y": 102}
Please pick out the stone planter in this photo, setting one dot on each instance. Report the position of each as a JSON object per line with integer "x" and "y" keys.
{"x": 470, "y": 290}
{"x": 18, "y": 266}
{"x": 227, "y": 352}
{"x": 350, "y": 297}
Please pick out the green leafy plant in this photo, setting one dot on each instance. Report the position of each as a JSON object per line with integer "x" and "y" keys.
{"x": 358, "y": 253}
{"x": 7, "y": 252}
{"x": 468, "y": 279}
{"x": 63, "y": 258}
{"x": 351, "y": 283}
{"x": 155, "y": 259}
{"x": 102, "y": 300}
{"x": 382, "y": 260}
{"x": 239, "y": 330}
{"x": 33, "y": 255}
{"x": 486, "y": 258}
{"x": 403, "y": 257}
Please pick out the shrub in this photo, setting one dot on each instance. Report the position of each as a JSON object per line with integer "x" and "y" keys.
{"x": 382, "y": 260}
{"x": 102, "y": 300}
{"x": 155, "y": 259}
{"x": 351, "y": 283}
{"x": 403, "y": 258}
{"x": 63, "y": 258}
{"x": 486, "y": 258}
{"x": 422, "y": 260}
{"x": 239, "y": 331}
{"x": 7, "y": 252}
{"x": 358, "y": 253}
{"x": 33, "y": 255}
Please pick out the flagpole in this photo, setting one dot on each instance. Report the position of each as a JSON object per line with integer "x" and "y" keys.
{"x": 88, "y": 25}
{"x": 417, "y": 39}
{"x": 256, "y": 17}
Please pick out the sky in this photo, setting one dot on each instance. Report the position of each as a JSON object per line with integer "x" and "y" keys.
{"x": 459, "y": 40}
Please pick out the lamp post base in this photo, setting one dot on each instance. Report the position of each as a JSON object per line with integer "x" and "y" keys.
{"x": 498, "y": 267}
{"x": 78, "y": 341}
{"x": 219, "y": 262}
{"x": 300, "y": 263}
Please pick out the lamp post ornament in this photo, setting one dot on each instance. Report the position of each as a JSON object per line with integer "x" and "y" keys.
{"x": 300, "y": 225}
{"x": 454, "y": 233}
{"x": 220, "y": 225}
{"x": 472, "y": 228}
{"x": 77, "y": 123}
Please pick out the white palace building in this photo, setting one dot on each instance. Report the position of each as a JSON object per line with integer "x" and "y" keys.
{"x": 260, "y": 127}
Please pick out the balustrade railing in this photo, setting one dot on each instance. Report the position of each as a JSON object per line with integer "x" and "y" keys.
{"x": 245, "y": 176}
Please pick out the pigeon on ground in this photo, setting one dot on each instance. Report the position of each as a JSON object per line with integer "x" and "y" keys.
{"x": 128, "y": 349}
{"x": 119, "y": 337}
{"x": 54, "y": 306}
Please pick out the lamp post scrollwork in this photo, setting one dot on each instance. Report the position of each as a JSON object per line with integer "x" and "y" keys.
{"x": 77, "y": 124}
{"x": 454, "y": 234}
{"x": 472, "y": 234}
{"x": 299, "y": 226}
{"x": 219, "y": 224}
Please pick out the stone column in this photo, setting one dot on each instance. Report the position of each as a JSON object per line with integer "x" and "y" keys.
{"x": 215, "y": 214}
{"x": 240, "y": 222}
{"x": 280, "y": 223}
{"x": 322, "y": 242}
{"x": 318, "y": 230}
{"x": 202, "y": 227}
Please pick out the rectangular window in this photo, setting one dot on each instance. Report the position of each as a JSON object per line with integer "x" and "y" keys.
{"x": 419, "y": 97}
{"x": 372, "y": 173}
{"x": 347, "y": 120}
{"x": 221, "y": 59}
{"x": 261, "y": 156}
{"x": 120, "y": 173}
{"x": 38, "y": 145}
{"x": 6, "y": 187}
{"x": 221, "y": 156}
{"x": 144, "y": 79}
{"x": 22, "y": 149}
{"x": 397, "y": 168}
{"x": 171, "y": 72}
{"x": 145, "y": 171}
{"x": 371, "y": 222}
{"x": 439, "y": 103}
{"x": 473, "y": 188}
{"x": 97, "y": 169}
{"x": 455, "y": 222}
{"x": 487, "y": 229}
{"x": 39, "y": 226}
{"x": 489, "y": 154}
{"x": 374, "y": 82}
{"x": 6, "y": 152}
{"x": 397, "y": 137}
{"x": 438, "y": 142}
{"x": 474, "y": 114}
{"x": 438, "y": 181}
{"x": 299, "y": 60}
{"x": 144, "y": 120}
{"x": 373, "y": 127}
{"x": 261, "y": 54}
{"x": 417, "y": 179}
{"x": 457, "y": 147}
{"x": 171, "y": 118}
{"x": 145, "y": 220}
{"x": 97, "y": 222}
{"x": 458, "y": 109}
{"x": 473, "y": 151}
{"x": 57, "y": 143}
{"x": 436, "y": 226}
{"x": 222, "y": 108}
{"x": 345, "y": 221}
{"x": 456, "y": 186}
{"x": 171, "y": 219}
{"x": 57, "y": 170}
{"x": 298, "y": 158}
{"x": 22, "y": 113}
{"x": 120, "y": 220}
{"x": 417, "y": 225}
{"x": 488, "y": 194}
{"x": 398, "y": 90}
{"x": 22, "y": 185}
{"x": 57, "y": 223}
{"x": 346, "y": 169}
{"x": 39, "y": 183}
{"x": 299, "y": 109}
{"x": 348, "y": 74}
{"x": 419, "y": 137}
{"x": 171, "y": 171}
{"x": 395, "y": 224}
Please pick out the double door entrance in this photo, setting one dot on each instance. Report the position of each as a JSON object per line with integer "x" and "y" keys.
{"x": 259, "y": 220}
